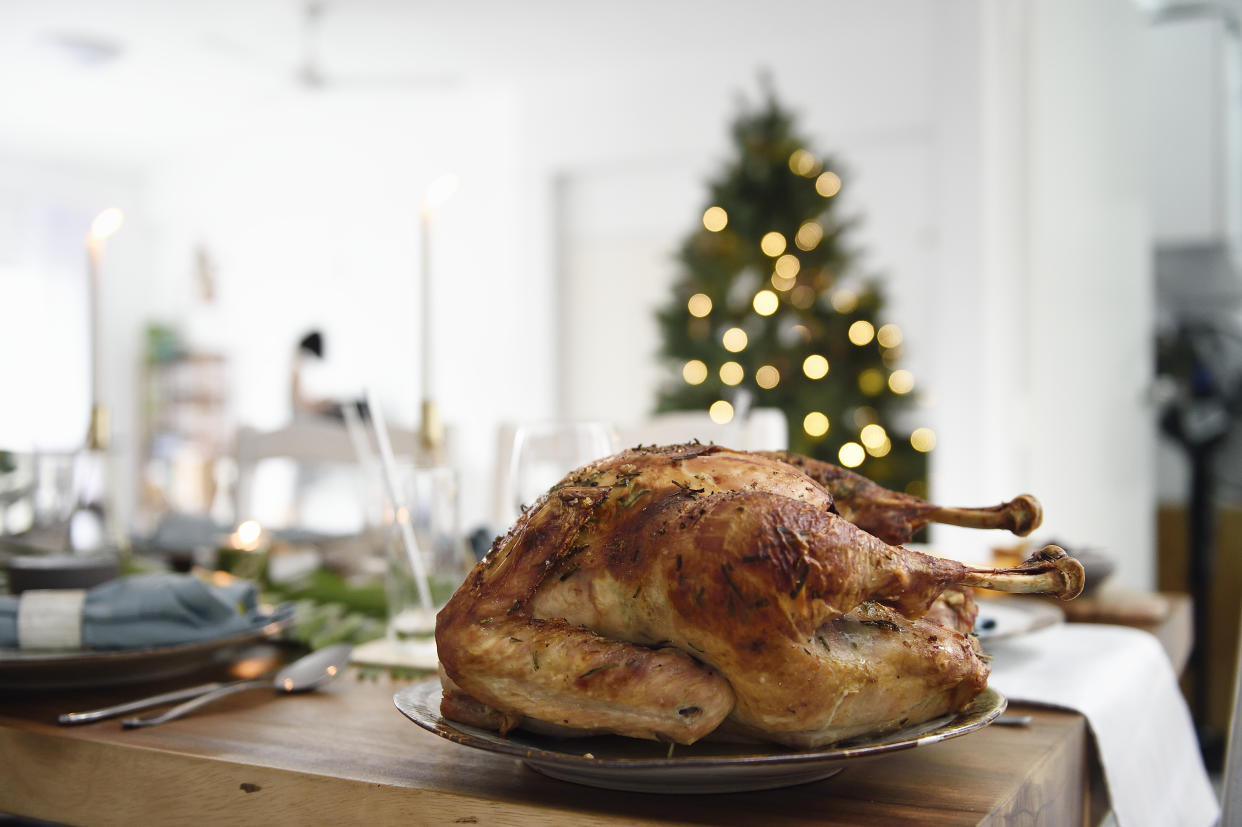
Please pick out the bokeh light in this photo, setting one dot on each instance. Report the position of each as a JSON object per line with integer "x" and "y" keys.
{"x": 699, "y": 305}
{"x": 721, "y": 412}
{"x": 788, "y": 265}
{"x": 803, "y": 163}
{"x": 731, "y": 373}
{"x": 828, "y": 184}
{"x": 734, "y": 340}
{"x": 715, "y": 219}
{"x": 248, "y": 534}
{"x": 923, "y": 439}
{"x": 783, "y": 282}
{"x": 844, "y": 300}
{"x": 872, "y": 435}
{"x": 862, "y": 332}
{"x": 888, "y": 335}
{"x": 815, "y": 423}
{"x": 901, "y": 381}
{"x": 815, "y": 366}
{"x": 765, "y": 302}
{"x": 767, "y": 377}
{"x": 772, "y": 244}
{"x": 694, "y": 372}
{"x": 851, "y": 455}
{"x": 809, "y": 235}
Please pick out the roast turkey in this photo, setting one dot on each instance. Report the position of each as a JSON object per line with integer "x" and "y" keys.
{"x": 682, "y": 591}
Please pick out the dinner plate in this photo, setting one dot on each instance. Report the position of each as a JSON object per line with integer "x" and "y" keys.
{"x": 23, "y": 669}
{"x": 1004, "y": 617}
{"x": 633, "y": 765}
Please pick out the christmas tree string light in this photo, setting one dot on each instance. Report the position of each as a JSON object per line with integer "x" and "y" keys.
{"x": 771, "y": 307}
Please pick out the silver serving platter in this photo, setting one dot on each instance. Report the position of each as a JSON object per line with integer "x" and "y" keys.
{"x": 633, "y": 765}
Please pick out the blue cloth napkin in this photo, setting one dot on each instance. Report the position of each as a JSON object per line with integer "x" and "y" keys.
{"x": 147, "y": 610}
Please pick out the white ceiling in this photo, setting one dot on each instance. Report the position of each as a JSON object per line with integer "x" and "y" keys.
{"x": 77, "y": 71}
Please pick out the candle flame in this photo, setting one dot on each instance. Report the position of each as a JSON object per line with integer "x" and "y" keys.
{"x": 106, "y": 224}
{"x": 440, "y": 191}
{"x": 247, "y": 535}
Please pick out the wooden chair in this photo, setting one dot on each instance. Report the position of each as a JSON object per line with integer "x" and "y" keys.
{"x": 307, "y": 443}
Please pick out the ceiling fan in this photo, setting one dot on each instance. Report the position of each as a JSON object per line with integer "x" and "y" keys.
{"x": 308, "y": 74}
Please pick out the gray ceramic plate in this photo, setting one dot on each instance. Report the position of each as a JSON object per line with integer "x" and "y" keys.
{"x": 645, "y": 766}
{"x": 23, "y": 669}
{"x": 1003, "y": 617}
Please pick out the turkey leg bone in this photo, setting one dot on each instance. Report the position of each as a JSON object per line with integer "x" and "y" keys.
{"x": 1048, "y": 571}
{"x": 894, "y": 517}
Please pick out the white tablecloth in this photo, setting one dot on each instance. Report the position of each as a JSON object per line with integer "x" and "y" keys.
{"x": 1120, "y": 679}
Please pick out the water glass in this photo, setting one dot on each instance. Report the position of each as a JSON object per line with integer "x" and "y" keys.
{"x": 422, "y": 528}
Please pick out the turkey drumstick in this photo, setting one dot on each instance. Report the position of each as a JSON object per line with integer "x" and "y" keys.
{"x": 894, "y": 517}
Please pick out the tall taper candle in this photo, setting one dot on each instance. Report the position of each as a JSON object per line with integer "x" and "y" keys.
{"x": 432, "y": 430}
{"x": 104, "y": 225}
{"x": 425, "y": 310}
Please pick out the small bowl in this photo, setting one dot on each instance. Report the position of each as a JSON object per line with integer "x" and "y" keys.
{"x": 1097, "y": 565}
{"x": 61, "y": 571}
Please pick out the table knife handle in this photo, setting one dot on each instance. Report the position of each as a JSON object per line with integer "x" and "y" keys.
{"x": 72, "y": 718}
{"x": 194, "y": 703}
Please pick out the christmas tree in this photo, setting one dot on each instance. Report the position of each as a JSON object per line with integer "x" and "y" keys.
{"x": 768, "y": 310}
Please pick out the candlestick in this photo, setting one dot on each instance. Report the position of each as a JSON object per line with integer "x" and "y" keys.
{"x": 97, "y": 430}
{"x": 87, "y": 528}
{"x": 103, "y": 227}
{"x": 425, "y": 309}
{"x": 431, "y": 429}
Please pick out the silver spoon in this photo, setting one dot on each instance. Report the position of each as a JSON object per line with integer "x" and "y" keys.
{"x": 302, "y": 675}
{"x": 90, "y": 716}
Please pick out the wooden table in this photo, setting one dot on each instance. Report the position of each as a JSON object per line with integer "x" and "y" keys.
{"x": 346, "y": 755}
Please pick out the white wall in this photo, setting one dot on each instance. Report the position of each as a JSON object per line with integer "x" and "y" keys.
{"x": 1090, "y": 250}
{"x": 1043, "y": 384}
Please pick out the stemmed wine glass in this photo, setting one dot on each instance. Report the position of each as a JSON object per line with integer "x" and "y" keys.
{"x": 543, "y": 453}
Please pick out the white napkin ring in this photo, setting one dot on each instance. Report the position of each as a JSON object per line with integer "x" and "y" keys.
{"x": 50, "y": 618}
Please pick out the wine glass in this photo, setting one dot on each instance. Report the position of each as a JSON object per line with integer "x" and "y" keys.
{"x": 543, "y": 453}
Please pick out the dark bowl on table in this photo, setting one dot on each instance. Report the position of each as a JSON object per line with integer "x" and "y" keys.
{"x": 1097, "y": 565}
{"x": 60, "y": 571}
